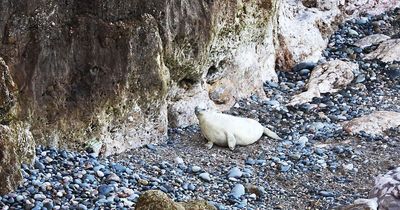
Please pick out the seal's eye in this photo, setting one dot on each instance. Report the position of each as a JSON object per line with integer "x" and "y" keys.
{"x": 197, "y": 110}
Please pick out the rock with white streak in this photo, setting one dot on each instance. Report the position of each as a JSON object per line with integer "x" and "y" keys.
{"x": 326, "y": 78}
{"x": 371, "y": 40}
{"x": 387, "y": 51}
{"x": 387, "y": 190}
{"x": 373, "y": 124}
{"x": 385, "y": 195}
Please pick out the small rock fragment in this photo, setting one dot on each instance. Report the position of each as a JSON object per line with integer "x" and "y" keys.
{"x": 205, "y": 176}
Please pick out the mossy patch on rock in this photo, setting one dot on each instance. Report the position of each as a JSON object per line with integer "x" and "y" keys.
{"x": 157, "y": 200}
{"x": 197, "y": 205}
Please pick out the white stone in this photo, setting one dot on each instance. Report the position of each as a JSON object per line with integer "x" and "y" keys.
{"x": 195, "y": 169}
{"x": 60, "y": 194}
{"x": 128, "y": 191}
{"x": 100, "y": 174}
{"x": 348, "y": 167}
{"x": 179, "y": 160}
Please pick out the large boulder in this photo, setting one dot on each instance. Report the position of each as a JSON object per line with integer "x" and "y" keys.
{"x": 373, "y": 124}
{"x": 329, "y": 77}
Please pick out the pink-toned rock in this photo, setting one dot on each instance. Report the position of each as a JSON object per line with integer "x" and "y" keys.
{"x": 371, "y": 40}
{"x": 387, "y": 51}
{"x": 374, "y": 124}
{"x": 373, "y": 7}
{"x": 326, "y": 78}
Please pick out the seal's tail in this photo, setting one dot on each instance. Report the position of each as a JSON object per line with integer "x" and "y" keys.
{"x": 271, "y": 134}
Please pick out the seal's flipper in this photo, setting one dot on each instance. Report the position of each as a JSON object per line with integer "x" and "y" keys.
{"x": 209, "y": 144}
{"x": 231, "y": 140}
{"x": 271, "y": 134}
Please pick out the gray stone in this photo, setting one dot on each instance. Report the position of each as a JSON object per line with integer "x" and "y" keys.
{"x": 39, "y": 197}
{"x": 302, "y": 141}
{"x": 196, "y": 169}
{"x": 237, "y": 191}
{"x": 105, "y": 189}
{"x": 360, "y": 78}
{"x": 235, "y": 172}
{"x": 205, "y": 176}
{"x": 113, "y": 177}
{"x": 99, "y": 173}
{"x": 352, "y": 32}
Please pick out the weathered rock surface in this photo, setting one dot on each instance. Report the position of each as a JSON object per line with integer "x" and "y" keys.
{"x": 182, "y": 105}
{"x": 371, "y": 40}
{"x": 373, "y": 124}
{"x": 16, "y": 147}
{"x": 387, "y": 190}
{"x": 157, "y": 200}
{"x": 326, "y": 78}
{"x": 387, "y": 51}
{"x": 114, "y": 72}
{"x": 385, "y": 194}
{"x": 303, "y": 31}
{"x": 7, "y": 93}
{"x": 16, "y": 142}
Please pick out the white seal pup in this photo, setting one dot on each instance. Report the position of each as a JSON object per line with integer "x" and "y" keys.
{"x": 227, "y": 130}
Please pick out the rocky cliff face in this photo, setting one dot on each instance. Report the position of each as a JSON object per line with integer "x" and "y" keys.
{"x": 118, "y": 73}
{"x": 110, "y": 71}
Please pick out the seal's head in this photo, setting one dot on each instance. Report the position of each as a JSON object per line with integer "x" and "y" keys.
{"x": 198, "y": 110}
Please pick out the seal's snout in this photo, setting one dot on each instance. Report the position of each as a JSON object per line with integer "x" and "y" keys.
{"x": 197, "y": 110}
